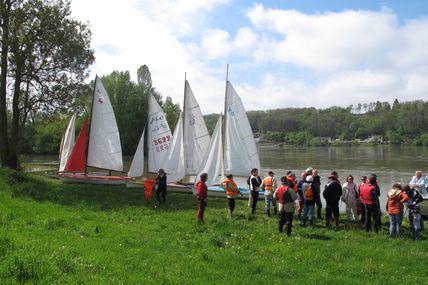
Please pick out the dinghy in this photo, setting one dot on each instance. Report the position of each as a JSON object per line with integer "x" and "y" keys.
{"x": 100, "y": 149}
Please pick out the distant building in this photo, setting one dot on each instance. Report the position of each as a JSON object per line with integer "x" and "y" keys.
{"x": 375, "y": 138}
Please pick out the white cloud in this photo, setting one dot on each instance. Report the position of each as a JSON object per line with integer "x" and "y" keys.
{"x": 296, "y": 59}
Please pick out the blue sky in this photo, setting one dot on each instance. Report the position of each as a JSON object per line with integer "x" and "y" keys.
{"x": 281, "y": 54}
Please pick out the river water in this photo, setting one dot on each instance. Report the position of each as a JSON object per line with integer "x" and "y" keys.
{"x": 390, "y": 163}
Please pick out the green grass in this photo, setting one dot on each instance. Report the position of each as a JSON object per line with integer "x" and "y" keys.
{"x": 52, "y": 233}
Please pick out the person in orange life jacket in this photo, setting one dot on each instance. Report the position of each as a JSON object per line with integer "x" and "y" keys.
{"x": 285, "y": 196}
{"x": 369, "y": 198}
{"x": 309, "y": 201}
{"x": 415, "y": 218}
{"x": 316, "y": 187}
{"x": 291, "y": 180}
{"x": 232, "y": 192}
{"x": 362, "y": 208}
{"x": 300, "y": 198}
{"x": 201, "y": 195}
{"x": 255, "y": 182}
{"x": 394, "y": 206}
{"x": 351, "y": 198}
{"x": 269, "y": 185}
{"x": 161, "y": 186}
{"x": 331, "y": 194}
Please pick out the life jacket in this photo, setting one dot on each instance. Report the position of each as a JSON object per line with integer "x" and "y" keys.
{"x": 268, "y": 183}
{"x": 292, "y": 183}
{"x": 229, "y": 191}
{"x": 366, "y": 194}
{"x": 309, "y": 193}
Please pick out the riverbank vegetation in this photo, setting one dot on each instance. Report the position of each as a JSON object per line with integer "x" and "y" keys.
{"x": 80, "y": 234}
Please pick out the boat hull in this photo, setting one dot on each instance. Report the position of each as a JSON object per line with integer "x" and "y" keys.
{"x": 171, "y": 187}
{"x": 93, "y": 179}
{"x": 218, "y": 191}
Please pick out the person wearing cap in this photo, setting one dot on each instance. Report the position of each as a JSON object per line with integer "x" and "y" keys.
{"x": 350, "y": 197}
{"x": 161, "y": 187}
{"x": 331, "y": 194}
{"x": 285, "y": 196}
{"x": 309, "y": 201}
{"x": 269, "y": 185}
{"x": 232, "y": 192}
{"x": 201, "y": 195}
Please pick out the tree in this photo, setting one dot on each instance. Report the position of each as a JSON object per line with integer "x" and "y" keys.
{"x": 172, "y": 111}
{"x": 48, "y": 56}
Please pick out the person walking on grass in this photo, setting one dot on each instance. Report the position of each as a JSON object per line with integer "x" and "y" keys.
{"x": 201, "y": 195}
{"x": 160, "y": 187}
{"x": 285, "y": 196}
{"x": 369, "y": 197}
{"x": 269, "y": 185}
{"x": 396, "y": 199}
{"x": 309, "y": 201}
{"x": 232, "y": 192}
{"x": 331, "y": 194}
{"x": 351, "y": 198}
{"x": 255, "y": 182}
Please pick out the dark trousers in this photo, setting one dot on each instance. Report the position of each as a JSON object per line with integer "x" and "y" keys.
{"x": 201, "y": 210}
{"x": 231, "y": 204}
{"x": 372, "y": 212}
{"x": 287, "y": 219}
{"x": 255, "y": 198}
{"x": 161, "y": 195}
{"x": 319, "y": 206}
{"x": 363, "y": 213}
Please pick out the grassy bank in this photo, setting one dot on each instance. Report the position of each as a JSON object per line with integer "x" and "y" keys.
{"x": 51, "y": 233}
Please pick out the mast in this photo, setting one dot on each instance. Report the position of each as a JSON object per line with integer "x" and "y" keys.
{"x": 183, "y": 114}
{"x": 223, "y": 137}
{"x": 90, "y": 124}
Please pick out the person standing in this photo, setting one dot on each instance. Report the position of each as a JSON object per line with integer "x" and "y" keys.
{"x": 351, "y": 198}
{"x": 362, "y": 208}
{"x": 316, "y": 187}
{"x": 232, "y": 192}
{"x": 285, "y": 196}
{"x": 369, "y": 198}
{"x": 269, "y": 185}
{"x": 161, "y": 187}
{"x": 201, "y": 195}
{"x": 300, "y": 197}
{"x": 396, "y": 199}
{"x": 331, "y": 194}
{"x": 255, "y": 182}
{"x": 415, "y": 218}
{"x": 309, "y": 202}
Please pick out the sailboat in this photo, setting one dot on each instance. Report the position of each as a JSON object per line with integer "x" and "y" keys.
{"x": 179, "y": 154}
{"x": 232, "y": 148}
{"x": 101, "y": 149}
{"x": 67, "y": 143}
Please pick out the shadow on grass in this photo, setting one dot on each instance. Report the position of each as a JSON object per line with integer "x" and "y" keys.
{"x": 317, "y": 236}
{"x": 95, "y": 197}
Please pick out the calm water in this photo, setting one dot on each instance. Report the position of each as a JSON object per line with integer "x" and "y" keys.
{"x": 390, "y": 163}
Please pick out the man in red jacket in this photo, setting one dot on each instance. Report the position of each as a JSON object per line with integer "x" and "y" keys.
{"x": 201, "y": 195}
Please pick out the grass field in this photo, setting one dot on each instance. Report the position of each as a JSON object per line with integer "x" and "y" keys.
{"x": 51, "y": 233}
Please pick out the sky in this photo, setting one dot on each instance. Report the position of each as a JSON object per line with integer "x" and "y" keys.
{"x": 281, "y": 54}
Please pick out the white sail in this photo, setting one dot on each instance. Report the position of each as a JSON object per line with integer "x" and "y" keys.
{"x": 240, "y": 151}
{"x": 67, "y": 143}
{"x": 104, "y": 149}
{"x": 212, "y": 163}
{"x": 159, "y": 137}
{"x": 137, "y": 165}
{"x": 175, "y": 166}
{"x": 196, "y": 137}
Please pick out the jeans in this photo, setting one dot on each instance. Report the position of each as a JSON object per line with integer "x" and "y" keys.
{"x": 268, "y": 200}
{"x": 308, "y": 209}
{"x": 395, "y": 221}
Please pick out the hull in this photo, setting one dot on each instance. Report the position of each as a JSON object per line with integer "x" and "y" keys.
{"x": 218, "y": 191}
{"x": 424, "y": 206}
{"x": 171, "y": 187}
{"x": 93, "y": 179}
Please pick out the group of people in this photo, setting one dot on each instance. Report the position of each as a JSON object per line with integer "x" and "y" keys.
{"x": 303, "y": 197}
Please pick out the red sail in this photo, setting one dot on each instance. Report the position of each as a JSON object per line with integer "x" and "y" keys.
{"x": 76, "y": 161}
